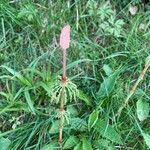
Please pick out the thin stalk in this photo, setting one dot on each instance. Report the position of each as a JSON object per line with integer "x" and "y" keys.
{"x": 62, "y": 118}
{"x": 64, "y": 65}
{"x": 132, "y": 91}
{"x": 64, "y": 44}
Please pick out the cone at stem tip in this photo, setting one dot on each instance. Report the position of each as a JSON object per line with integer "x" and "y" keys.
{"x": 64, "y": 44}
{"x": 65, "y": 37}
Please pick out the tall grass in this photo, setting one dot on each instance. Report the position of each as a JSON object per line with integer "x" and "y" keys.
{"x": 104, "y": 60}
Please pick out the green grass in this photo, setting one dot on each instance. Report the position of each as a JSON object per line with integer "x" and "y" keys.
{"x": 30, "y": 62}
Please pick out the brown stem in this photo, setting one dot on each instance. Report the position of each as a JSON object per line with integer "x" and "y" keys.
{"x": 132, "y": 91}
{"x": 61, "y": 125}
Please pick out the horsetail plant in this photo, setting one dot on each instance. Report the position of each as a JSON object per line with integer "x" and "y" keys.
{"x": 63, "y": 90}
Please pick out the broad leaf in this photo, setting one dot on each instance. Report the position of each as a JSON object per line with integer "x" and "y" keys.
{"x": 142, "y": 109}
{"x": 71, "y": 142}
{"x": 146, "y": 139}
{"x": 84, "y": 98}
{"x": 86, "y": 145}
{"x": 55, "y": 127}
{"x": 103, "y": 144}
{"x": 107, "y": 86}
{"x": 107, "y": 70}
{"x": 78, "y": 146}
{"x": 4, "y": 143}
{"x": 72, "y": 110}
{"x": 92, "y": 119}
{"x": 78, "y": 124}
{"x": 51, "y": 146}
{"x": 107, "y": 131}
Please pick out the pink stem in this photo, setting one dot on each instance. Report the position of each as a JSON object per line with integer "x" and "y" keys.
{"x": 64, "y": 65}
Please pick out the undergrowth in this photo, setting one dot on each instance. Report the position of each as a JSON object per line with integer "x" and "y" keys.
{"x": 107, "y": 53}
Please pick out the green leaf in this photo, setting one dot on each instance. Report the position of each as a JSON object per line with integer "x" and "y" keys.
{"x": 78, "y": 146}
{"x": 47, "y": 88}
{"x": 84, "y": 98}
{"x": 6, "y": 95}
{"x": 107, "y": 86}
{"x": 92, "y": 119}
{"x": 147, "y": 62}
{"x": 71, "y": 142}
{"x": 107, "y": 131}
{"x": 27, "y": 12}
{"x": 103, "y": 144}
{"x": 107, "y": 70}
{"x": 4, "y": 143}
{"x": 78, "y": 124}
{"x": 54, "y": 128}
{"x": 146, "y": 139}
{"x": 30, "y": 17}
{"x": 17, "y": 75}
{"x": 72, "y": 111}
{"x": 29, "y": 101}
{"x": 18, "y": 93}
{"x": 86, "y": 145}
{"x": 51, "y": 146}
{"x": 142, "y": 109}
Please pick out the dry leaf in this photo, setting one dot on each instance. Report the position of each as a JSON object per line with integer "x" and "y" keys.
{"x": 142, "y": 26}
{"x": 133, "y": 10}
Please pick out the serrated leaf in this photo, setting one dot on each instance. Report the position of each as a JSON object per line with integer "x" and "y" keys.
{"x": 107, "y": 131}
{"x": 78, "y": 146}
{"x": 54, "y": 128}
{"x": 92, "y": 119}
{"x": 4, "y": 143}
{"x": 146, "y": 139}
{"x": 86, "y": 145}
{"x": 84, "y": 98}
{"x": 51, "y": 146}
{"x": 107, "y": 86}
{"x": 142, "y": 109}
{"x": 29, "y": 101}
{"x": 71, "y": 142}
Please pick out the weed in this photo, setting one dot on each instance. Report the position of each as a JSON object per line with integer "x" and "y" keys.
{"x": 105, "y": 57}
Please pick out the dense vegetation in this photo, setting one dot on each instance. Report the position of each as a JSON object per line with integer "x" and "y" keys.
{"x": 109, "y": 48}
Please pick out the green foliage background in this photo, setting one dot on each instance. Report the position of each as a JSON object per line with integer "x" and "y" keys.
{"x": 107, "y": 53}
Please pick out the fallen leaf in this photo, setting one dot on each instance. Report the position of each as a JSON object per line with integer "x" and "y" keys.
{"x": 133, "y": 10}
